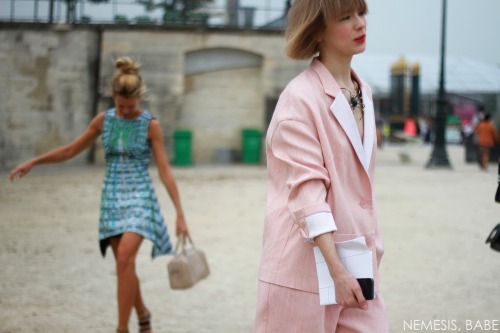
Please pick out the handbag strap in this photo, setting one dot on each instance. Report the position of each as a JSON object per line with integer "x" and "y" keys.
{"x": 181, "y": 241}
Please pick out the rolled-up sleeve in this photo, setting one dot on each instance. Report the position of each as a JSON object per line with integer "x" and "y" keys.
{"x": 297, "y": 146}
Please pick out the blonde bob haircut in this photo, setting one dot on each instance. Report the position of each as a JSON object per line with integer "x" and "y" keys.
{"x": 308, "y": 18}
{"x": 127, "y": 81}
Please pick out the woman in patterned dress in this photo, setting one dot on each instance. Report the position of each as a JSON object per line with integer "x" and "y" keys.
{"x": 129, "y": 207}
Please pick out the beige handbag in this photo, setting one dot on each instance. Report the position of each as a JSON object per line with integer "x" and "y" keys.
{"x": 188, "y": 266}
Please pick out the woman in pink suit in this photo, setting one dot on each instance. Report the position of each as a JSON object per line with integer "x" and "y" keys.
{"x": 320, "y": 149}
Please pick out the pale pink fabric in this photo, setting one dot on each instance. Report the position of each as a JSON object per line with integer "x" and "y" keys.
{"x": 294, "y": 311}
{"x": 320, "y": 176}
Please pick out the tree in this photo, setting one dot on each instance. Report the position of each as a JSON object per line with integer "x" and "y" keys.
{"x": 178, "y": 11}
{"x": 71, "y": 8}
{"x": 70, "y": 11}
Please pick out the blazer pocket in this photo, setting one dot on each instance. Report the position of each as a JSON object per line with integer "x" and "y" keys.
{"x": 338, "y": 237}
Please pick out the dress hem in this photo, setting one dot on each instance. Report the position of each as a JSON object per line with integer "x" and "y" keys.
{"x": 155, "y": 252}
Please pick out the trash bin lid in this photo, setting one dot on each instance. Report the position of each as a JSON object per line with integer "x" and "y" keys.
{"x": 251, "y": 131}
{"x": 182, "y": 133}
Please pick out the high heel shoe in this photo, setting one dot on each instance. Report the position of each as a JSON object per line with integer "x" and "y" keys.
{"x": 145, "y": 322}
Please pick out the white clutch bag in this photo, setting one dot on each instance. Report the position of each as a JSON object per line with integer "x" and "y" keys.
{"x": 188, "y": 266}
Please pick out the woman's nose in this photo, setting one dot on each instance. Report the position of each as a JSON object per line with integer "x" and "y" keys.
{"x": 360, "y": 21}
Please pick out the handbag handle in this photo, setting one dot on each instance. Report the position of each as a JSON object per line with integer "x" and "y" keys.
{"x": 494, "y": 234}
{"x": 181, "y": 241}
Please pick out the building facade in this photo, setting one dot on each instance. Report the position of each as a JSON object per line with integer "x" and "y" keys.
{"x": 214, "y": 82}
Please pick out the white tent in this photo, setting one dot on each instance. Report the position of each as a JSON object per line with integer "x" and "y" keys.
{"x": 462, "y": 75}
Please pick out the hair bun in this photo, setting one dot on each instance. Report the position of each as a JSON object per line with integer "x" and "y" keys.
{"x": 127, "y": 66}
{"x": 127, "y": 80}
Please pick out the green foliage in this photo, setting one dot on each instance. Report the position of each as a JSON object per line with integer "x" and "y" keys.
{"x": 174, "y": 11}
{"x": 150, "y": 5}
{"x": 121, "y": 19}
{"x": 179, "y": 11}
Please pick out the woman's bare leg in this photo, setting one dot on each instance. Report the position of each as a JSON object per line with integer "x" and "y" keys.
{"x": 485, "y": 157}
{"x": 486, "y": 160}
{"x": 125, "y": 248}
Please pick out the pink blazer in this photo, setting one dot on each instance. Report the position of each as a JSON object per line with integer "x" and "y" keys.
{"x": 320, "y": 178}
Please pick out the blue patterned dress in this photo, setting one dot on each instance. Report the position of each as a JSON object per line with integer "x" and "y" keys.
{"x": 128, "y": 201}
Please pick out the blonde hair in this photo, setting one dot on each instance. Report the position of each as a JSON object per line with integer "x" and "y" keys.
{"x": 127, "y": 81}
{"x": 308, "y": 18}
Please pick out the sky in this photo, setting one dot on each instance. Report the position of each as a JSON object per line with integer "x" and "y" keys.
{"x": 414, "y": 27}
{"x": 402, "y": 27}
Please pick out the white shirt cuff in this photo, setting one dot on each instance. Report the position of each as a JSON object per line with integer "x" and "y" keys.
{"x": 320, "y": 223}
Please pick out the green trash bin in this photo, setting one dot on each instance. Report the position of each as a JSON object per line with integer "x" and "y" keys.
{"x": 252, "y": 142}
{"x": 182, "y": 147}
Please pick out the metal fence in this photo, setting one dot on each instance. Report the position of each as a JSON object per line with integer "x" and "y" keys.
{"x": 267, "y": 15}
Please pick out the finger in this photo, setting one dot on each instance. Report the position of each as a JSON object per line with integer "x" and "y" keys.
{"x": 349, "y": 303}
{"x": 15, "y": 176}
{"x": 12, "y": 175}
{"x": 361, "y": 301}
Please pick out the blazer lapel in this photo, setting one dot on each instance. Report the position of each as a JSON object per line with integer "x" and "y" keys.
{"x": 342, "y": 112}
{"x": 368, "y": 128}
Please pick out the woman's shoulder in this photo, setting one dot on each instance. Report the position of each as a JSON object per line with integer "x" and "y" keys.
{"x": 304, "y": 84}
{"x": 298, "y": 102}
{"x": 108, "y": 113}
{"x": 299, "y": 95}
{"x": 304, "y": 89}
{"x": 101, "y": 116}
{"x": 98, "y": 121}
{"x": 147, "y": 116}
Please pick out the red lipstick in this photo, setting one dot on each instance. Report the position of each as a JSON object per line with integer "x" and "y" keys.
{"x": 361, "y": 39}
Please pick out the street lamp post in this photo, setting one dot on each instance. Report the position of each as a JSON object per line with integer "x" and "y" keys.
{"x": 51, "y": 11}
{"x": 439, "y": 156}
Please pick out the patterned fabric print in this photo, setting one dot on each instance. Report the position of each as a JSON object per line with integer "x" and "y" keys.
{"x": 128, "y": 201}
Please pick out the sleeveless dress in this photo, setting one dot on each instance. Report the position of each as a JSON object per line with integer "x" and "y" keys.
{"x": 128, "y": 200}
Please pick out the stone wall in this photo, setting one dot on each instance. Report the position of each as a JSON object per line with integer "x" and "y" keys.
{"x": 48, "y": 76}
{"x": 46, "y": 89}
